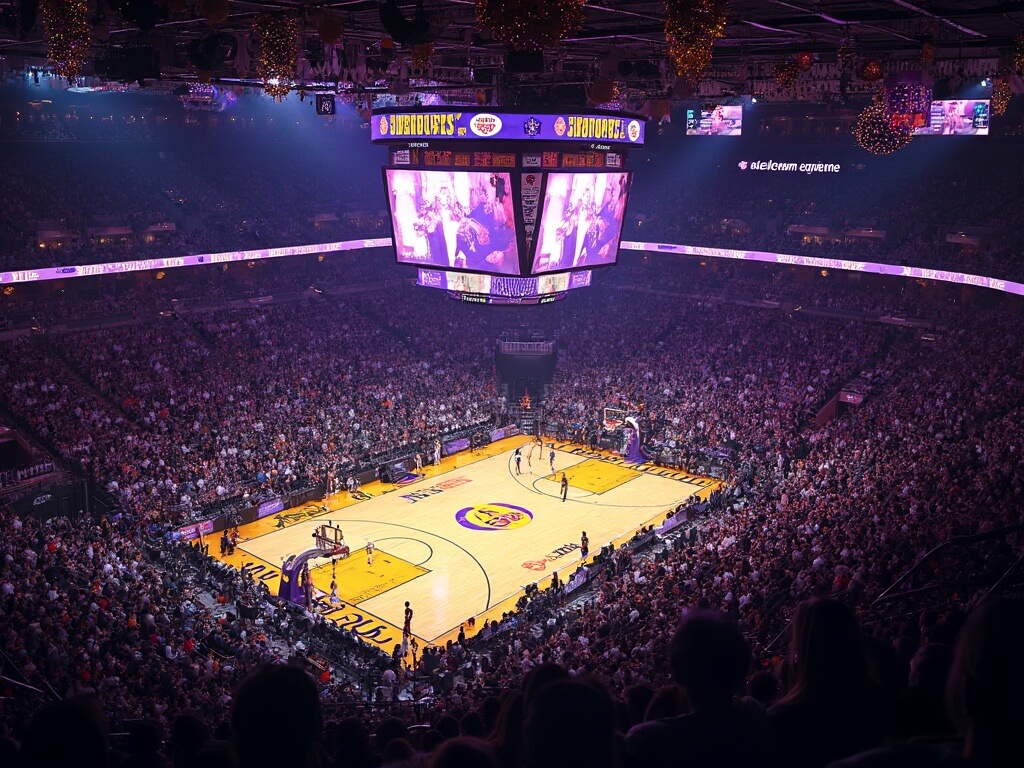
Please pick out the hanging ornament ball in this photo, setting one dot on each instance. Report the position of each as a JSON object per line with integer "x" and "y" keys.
{"x": 875, "y": 131}
{"x": 870, "y": 71}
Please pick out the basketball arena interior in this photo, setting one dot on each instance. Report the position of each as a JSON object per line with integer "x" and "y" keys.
{"x": 511, "y": 383}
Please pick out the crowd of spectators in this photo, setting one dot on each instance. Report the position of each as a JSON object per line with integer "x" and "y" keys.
{"x": 222, "y": 201}
{"x": 915, "y": 203}
{"x": 178, "y": 413}
{"x": 784, "y": 656}
{"x": 94, "y": 207}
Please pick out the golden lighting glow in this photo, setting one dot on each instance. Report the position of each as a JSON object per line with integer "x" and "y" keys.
{"x": 530, "y": 25}
{"x": 875, "y": 132}
{"x": 67, "y": 35}
{"x": 422, "y": 55}
{"x": 279, "y": 51}
{"x": 1001, "y": 95}
{"x": 786, "y": 74}
{"x": 691, "y": 28}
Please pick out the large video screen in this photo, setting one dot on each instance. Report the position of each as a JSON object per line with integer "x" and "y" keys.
{"x": 581, "y": 220}
{"x": 957, "y": 117}
{"x": 721, "y": 121}
{"x": 454, "y": 219}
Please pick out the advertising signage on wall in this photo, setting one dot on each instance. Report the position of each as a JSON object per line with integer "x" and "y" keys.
{"x": 783, "y": 166}
{"x": 503, "y": 126}
{"x": 171, "y": 262}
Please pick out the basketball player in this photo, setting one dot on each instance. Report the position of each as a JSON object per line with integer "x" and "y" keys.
{"x": 551, "y": 458}
{"x": 565, "y": 486}
{"x": 584, "y": 546}
{"x": 519, "y": 460}
{"x": 407, "y": 627}
{"x": 369, "y": 554}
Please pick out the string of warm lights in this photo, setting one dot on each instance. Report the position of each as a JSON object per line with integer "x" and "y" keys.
{"x": 1002, "y": 92}
{"x": 67, "y": 35}
{"x": 691, "y": 29}
{"x": 786, "y": 74}
{"x": 530, "y": 25}
{"x": 422, "y": 55}
{"x": 279, "y": 51}
{"x": 875, "y": 132}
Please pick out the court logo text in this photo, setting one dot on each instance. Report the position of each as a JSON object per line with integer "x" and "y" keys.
{"x": 493, "y": 517}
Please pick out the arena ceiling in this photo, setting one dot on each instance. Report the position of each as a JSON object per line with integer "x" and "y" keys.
{"x": 613, "y": 31}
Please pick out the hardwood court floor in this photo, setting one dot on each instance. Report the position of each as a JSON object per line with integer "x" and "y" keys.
{"x": 466, "y": 538}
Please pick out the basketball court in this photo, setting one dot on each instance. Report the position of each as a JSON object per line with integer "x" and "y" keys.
{"x": 463, "y": 539}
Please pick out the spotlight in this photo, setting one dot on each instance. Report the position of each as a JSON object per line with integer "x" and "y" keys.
{"x": 985, "y": 82}
{"x": 753, "y": 99}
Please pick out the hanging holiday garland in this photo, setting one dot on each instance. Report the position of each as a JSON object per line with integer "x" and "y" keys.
{"x": 422, "y": 55}
{"x": 67, "y": 35}
{"x": 786, "y": 74}
{"x": 691, "y": 29}
{"x": 530, "y": 25}
{"x": 1001, "y": 95}
{"x": 278, "y": 52}
{"x": 875, "y": 131}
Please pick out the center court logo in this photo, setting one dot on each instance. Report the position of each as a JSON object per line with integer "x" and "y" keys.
{"x": 493, "y": 517}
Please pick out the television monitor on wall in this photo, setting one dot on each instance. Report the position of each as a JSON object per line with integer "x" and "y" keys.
{"x": 957, "y": 117}
{"x": 581, "y": 221}
{"x": 722, "y": 120}
{"x": 461, "y": 220}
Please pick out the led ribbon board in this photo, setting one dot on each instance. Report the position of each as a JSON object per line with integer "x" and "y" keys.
{"x": 475, "y": 125}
